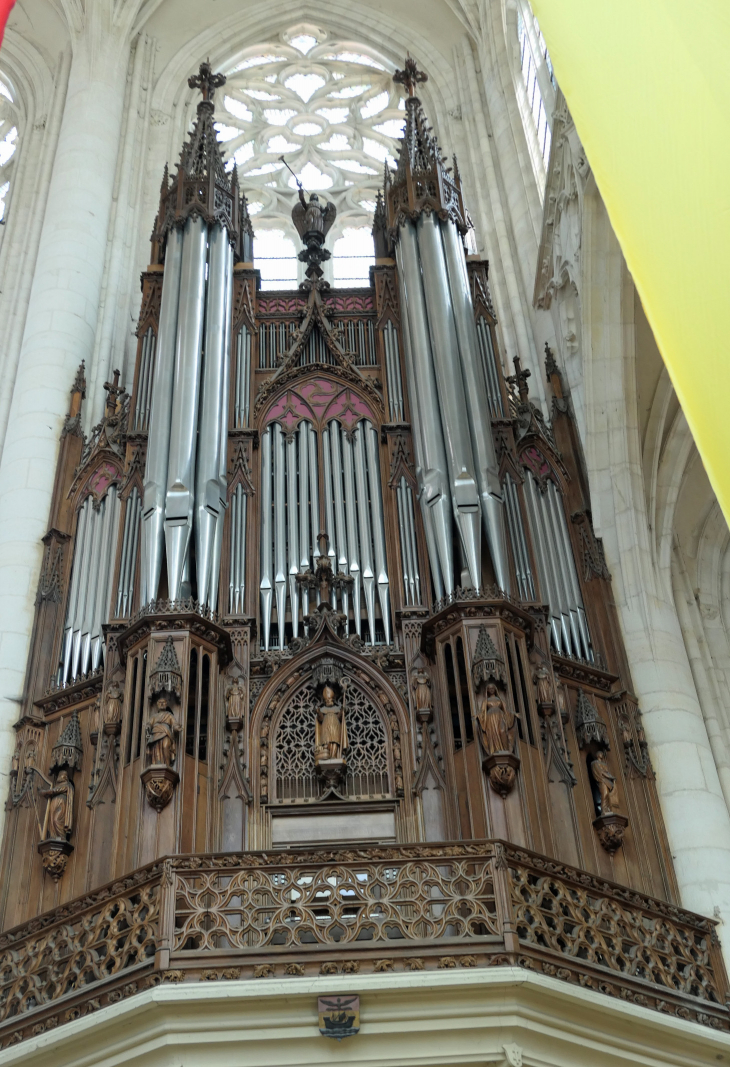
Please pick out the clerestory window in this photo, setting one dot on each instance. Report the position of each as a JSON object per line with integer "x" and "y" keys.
{"x": 538, "y": 77}
{"x": 332, "y": 112}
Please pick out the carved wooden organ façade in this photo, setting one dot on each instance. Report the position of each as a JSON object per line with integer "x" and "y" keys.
{"x": 327, "y": 575}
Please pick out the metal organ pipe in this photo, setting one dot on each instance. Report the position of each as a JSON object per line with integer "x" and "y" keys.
{"x": 353, "y": 553}
{"x": 547, "y": 584}
{"x": 477, "y": 403}
{"x": 279, "y": 528}
{"x": 519, "y": 543}
{"x": 180, "y": 499}
{"x": 356, "y": 448}
{"x": 377, "y": 522}
{"x": 292, "y": 516}
{"x": 223, "y": 437}
{"x": 304, "y": 538}
{"x": 90, "y": 588}
{"x": 158, "y": 438}
{"x": 265, "y": 582}
{"x": 429, "y": 443}
{"x": 128, "y": 562}
{"x": 451, "y": 393}
{"x": 209, "y": 493}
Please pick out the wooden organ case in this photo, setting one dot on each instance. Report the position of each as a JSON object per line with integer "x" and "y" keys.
{"x": 355, "y": 672}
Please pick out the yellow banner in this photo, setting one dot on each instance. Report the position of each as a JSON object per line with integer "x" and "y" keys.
{"x": 648, "y": 85}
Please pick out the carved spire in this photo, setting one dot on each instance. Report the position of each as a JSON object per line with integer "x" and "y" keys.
{"x": 487, "y": 665}
{"x": 201, "y": 186}
{"x": 67, "y": 751}
{"x": 422, "y": 181}
{"x": 590, "y": 729}
{"x": 167, "y": 676}
{"x": 380, "y": 228}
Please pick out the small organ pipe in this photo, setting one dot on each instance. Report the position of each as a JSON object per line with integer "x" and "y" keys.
{"x": 126, "y": 546}
{"x": 376, "y": 505}
{"x": 234, "y": 552}
{"x": 353, "y": 552}
{"x": 489, "y": 363}
{"x": 451, "y": 394}
{"x": 357, "y": 451}
{"x": 179, "y": 499}
{"x": 430, "y": 450}
{"x": 106, "y": 553}
{"x": 158, "y": 437}
{"x": 265, "y": 582}
{"x": 562, "y": 566}
{"x": 302, "y": 445}
{"x": 329, "y": 506}
{"x": 85, "y": 564}
{"x": 241, "y": 569}
{"x": 414, "y": 544}
{"x": 279, "y": 528}
{"x": 547, "y": 591}
{"x": 292, "y": 531}
{"x": 340, "y": 565}
{"x": 132, "y": 558}
{"x": 73, "y": 595}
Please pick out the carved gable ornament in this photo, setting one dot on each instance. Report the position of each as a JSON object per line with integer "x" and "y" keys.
{"x": 319, "y": 400}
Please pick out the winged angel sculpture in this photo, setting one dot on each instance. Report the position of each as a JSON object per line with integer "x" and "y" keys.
{"x": 313, "y": 221}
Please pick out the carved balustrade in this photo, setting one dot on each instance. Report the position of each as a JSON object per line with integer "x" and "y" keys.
{"x": 357, "y": 911}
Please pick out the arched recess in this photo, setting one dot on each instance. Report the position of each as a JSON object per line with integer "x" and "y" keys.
{"x": 372, "y": 815}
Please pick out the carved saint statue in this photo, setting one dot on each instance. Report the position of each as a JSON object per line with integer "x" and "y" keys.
{"x": 330, "y": 731}
{"x": 422, "y": 690}
{"x": 606, "y": 783}
{"x": 544, "y": 685}
{"x": 234, "y": 700}
{"x": 59, "y": 810}
{"x": 497, "y": 723}
{"x": 160, "y": 736}
{"x": 113, "y": 705}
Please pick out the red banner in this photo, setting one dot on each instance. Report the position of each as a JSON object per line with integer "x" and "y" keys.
{"x": 5, "y": 6}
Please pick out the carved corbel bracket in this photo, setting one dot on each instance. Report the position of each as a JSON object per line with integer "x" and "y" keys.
{"x": 501, "y": 768}
{"x": 610, "y": 829}
{"x": 54, "y": 854}
{"x": 159, "y": 785}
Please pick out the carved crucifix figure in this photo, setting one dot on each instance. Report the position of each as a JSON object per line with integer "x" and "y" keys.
{"x": 410, "y": 76}
{"x": 206, "y": 81}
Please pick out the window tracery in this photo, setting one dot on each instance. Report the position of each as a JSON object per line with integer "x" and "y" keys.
{"x": 335, "y": 115}
{"x": 9, "y": 138}
{"x": 367, "y": 758}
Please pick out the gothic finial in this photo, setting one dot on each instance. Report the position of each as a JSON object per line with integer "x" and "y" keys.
{"x": 206, "y": 81}
{"x": 519, "y": 379}
{"x": 67, "y": 751}
{"x": 113, "y": 390}
{"x": 551, "y": 366}
{"x": 410, "y": 76}
{"x": 79, "y": 385}
{"x": 380, "y": 228}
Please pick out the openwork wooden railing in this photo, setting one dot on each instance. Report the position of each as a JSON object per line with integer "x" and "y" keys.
{"x": 357, "y": 911}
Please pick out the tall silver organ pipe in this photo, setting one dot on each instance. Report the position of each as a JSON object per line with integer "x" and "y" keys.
{"x": 185, "y": 476}
{"x": 452, "y": 395}
{"x": 450, "y": 401}
{"x": 489, "y": 365}
{"x": 556, "y": 566}
{"x": 90, "y": 588}
{"x": 477, "y": 402}
{"x": 180, "y": 497}
{"x": 428, "y": 437}
{"x": 158, "y": 438}
{"x": 128, "y": 562}
{"x": 289, "y": 525}
{"x": 210, "y": 489}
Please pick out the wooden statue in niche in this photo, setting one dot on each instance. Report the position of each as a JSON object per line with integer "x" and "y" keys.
{"x": 496, "y": 722}
{"x": 590, "y": 729}
{"x": 330, "y": 727}
{"x": 235, "y": 702}
{"x": 160, "y": 777}
{"x": 55, "y": 846}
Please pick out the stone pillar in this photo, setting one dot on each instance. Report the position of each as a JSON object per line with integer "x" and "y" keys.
{"x": 59, "y": 333}
{"x": 695, "y": 813}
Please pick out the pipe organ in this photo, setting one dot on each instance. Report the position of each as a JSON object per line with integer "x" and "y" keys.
{"x": 327, "y": 574}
